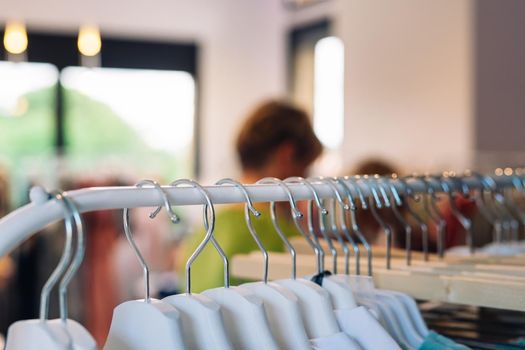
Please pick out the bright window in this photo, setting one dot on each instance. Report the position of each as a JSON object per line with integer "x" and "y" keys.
{"x": 27, "y": 123}
{"x": 27, "y": 109}
{"x": 140, "y": 119}
{"x": 329, "y": 91}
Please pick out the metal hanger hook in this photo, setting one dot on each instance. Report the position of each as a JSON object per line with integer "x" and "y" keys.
{"x": 247, "y": 209}
{"x": 77, "y": 259}
{"x": 209, "y": 226}
{"x": 333, "y": 224}
{"x": 307, "y": 183}
{"x": 360, "y": 193}
{"x": 296, "y": 215}
{"x": 171, "y": 214}
{"x": 386, "y": 228}
{"x": 131, "y": 240}
{"x": 312, "y": 238}
{"x": 64, "y": 259}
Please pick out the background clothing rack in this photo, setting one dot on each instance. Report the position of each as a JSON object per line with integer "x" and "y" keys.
{"x": 29, "y": 219}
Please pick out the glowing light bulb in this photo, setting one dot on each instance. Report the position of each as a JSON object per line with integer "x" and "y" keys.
{"x": 15, "y": 37}
{"x": 89, "y": 42}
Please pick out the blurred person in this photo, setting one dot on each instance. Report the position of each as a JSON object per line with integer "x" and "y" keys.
{"x": 454, "y": 234}
{"x": 277, "y": 140}
{"x": 369, "y": 226}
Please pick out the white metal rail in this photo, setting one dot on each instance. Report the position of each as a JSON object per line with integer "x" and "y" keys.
{"x": 22, "y": 223}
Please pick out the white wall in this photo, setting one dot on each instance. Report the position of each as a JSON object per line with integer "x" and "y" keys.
{"x": 408, "y": 81}
{"x": 408, "y": 67}
{"x": 242, "y": 57}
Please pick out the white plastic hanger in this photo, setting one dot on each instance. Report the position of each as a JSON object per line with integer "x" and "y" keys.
{"x": 242, "y": 311}
{"x": 148, "y": 323}
{"x": 202, "y": 323}
{"x": 62, "y": 333}
{"x": 314, "y": 301}
{"x": 280, "y": 304}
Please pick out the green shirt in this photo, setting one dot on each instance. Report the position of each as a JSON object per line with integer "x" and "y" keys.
{"x": 234, "y": 238}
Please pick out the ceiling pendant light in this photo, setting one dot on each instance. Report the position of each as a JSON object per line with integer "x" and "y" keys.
{"x": 15, "y": 40}
{"x": 89, "y": 44}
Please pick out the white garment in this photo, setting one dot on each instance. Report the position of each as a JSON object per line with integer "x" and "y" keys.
{"x": 336, "y": 341}
{"x": 359, "y": 324}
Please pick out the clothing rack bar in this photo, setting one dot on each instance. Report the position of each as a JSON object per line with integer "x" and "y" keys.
{"x": 22, "y": 223}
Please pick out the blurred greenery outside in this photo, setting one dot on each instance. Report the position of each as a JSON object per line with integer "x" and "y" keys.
{"x": 95, "y": 138}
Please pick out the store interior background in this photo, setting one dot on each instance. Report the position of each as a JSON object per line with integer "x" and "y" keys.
{"x": 430, "y": 85}
{"x": 427, "y": 85}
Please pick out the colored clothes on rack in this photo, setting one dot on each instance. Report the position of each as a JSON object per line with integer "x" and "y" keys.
{"x": 234, "y": 238}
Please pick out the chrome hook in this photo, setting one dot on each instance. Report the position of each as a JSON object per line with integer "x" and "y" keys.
{"x": 209, "y": 227}
{"x": 64, "y": 259}
{"x": 249, "y": 208}
{"x": 386, "y": 228}
{"x": 421, "y": 223}
{"x": 430, "y": 206}
{"x": 355, "y": 225}
{"x": 129, "y": 236}
{"x": 313, "y": 239}
{"x": 296, "y": 214}
{"x": 465, "y": 222}
{"x": 344, "y": 227}
{"x": 398, "y": 202}
{"x": 479, "y": 196}
{"x": 77, "y": 259}
{"x": 333, "y": 222}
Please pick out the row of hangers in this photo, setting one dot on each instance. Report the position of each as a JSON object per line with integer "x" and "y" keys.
{"x": 283, "y": 314}
{"x": 478, "y": 279}
{"x": 292, "y": 313}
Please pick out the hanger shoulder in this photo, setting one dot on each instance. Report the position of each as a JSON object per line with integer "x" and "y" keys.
{"x": 244, "y": 318}
{"x": 201, "y": 321}
{"x": 284, "y": 314}
{"x": 140, "y": 325}
{"x": 34, "y": 334}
